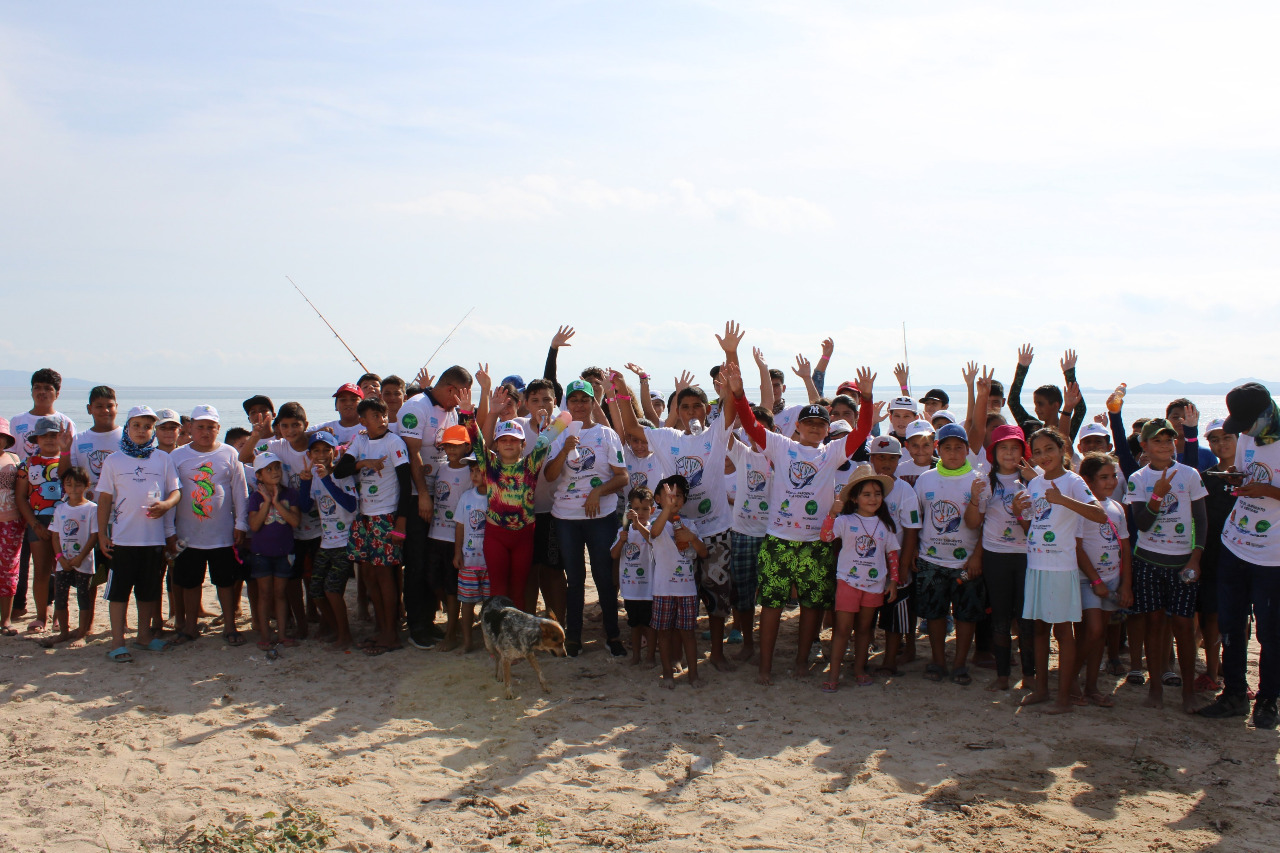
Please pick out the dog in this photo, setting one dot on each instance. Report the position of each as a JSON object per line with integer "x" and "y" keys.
{"x": 511, "y": 634}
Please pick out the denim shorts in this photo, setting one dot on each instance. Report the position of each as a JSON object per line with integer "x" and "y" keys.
{"x": 269, "y": 567}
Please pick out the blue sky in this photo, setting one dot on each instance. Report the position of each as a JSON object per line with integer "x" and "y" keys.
{"x": 1083, "y": 175}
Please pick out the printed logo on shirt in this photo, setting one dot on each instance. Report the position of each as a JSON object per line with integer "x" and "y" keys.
{"x": 639, "y": 479}
{"x": 945, "y": 517}
{"x": 1262, "y": 526}
{"x": 1108, "y": 531}
{"x": 755, "y": 481}
{"x": 865, "y": 546}
{"x": 442, "y": 491}
{"x": 1256, "y": 472}
{"x": 586, "y": 460}
{"x": 202, "y": 493}
{"x": 477, "y": 519}
{"x": 1170, "y": 505}
{"x": 801, "y": 474}
{"x": 1041, "y": 508}
{"x": 70, "y": 528}
{"x": 630, "y": 552}
{"x": 409, "y": 421}
{"x": 690, "y": 467}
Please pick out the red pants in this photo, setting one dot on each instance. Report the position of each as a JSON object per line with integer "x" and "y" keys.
{"x": 509, "y": 556}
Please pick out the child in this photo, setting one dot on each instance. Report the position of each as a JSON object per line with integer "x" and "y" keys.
{"x": 346, "y": 400}
{"x": 74, "y": 532}
{"x": 1167, "y": 500}
{"x": 903, "y": 412}
{"x": 336, "y": 500}
{"x": 273, "y": 515}
{"x": 451, "y": 480}
{"x": 1004, "y": 549}
{"x": 39, "y": 491}
{"x": 90, "y": 449}
{"x": 675, "y": 546}
{"x": 899, "y": 621}
{"x": 867, "y": 571}
{"x": 634, "y": 569}
{"x": 919, "y": 456}
{"x": 1104, "y": 556}
{"x": 167, "y": 428}
{"x": 381, "y": 459}
{"x": 753, "y": 476}
{"x": 1058, "y": 502}
{"x": 392, "y": 393}
{"x": 12, "y": 527}
{"x": 470, "y": 535}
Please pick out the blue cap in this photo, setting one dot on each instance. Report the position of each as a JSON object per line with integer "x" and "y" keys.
{"x": 514, "y": 379}
{"x": 46, "y": 426}
{"x": 951, "y": 431}
{"x": 322, "y": 435}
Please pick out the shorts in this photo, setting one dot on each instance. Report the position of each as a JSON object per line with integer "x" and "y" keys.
{"x": 1090, "y": 601}
{"x": 639, "y": 612}
{"x": 1160, "y": 588}
{"x": 372, "y": 542}
{"x": 473, "y": 584}
{"x": 1051, "y": 596}
{"x": 939, "y": 593}
{"x": 714, "y": 584}
{"x": 330, "y": 572}
{"x": 136, "y": 570}
{"x": 546, "y": 545}
{"x": 810, "y": 566}
{"x": 224, "y": 571}
{"x": 304, "y": 556}
{"x": 441, "y": 573}
{"x": 261, "y": 566}
{"x": 899, "y": 616}
{"x": 744, "y": 569}
{"x": 850, "y": 599}
{"x": 674, "y": 612}
{"x": 64, "y": 581}
{"x": 42, "y": 520}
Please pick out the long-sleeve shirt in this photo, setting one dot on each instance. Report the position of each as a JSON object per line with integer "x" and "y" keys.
{"x": 511, "y": 486}
{"x": 1020, "y": 414}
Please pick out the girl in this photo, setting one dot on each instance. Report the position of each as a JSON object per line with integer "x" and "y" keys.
{"x": 1105, "y": 568}
{"x": 867, "y": 571}
{"x": 273, "y": 516}
{"x": 1004, "y": 548}
{"x": 675, "y": 547}
{"x": 12, "y": 527}
{"x": 1056, "y": 501}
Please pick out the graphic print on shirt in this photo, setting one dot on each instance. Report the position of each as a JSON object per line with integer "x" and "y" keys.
{"x": 690, "y": 467}
{"x": 48, "y": 488}
{"x": 944, "y": 515}
{"x": 1257, "y": 472}
{"x": 442, "y": 497}
{"x": 202, "y": 494}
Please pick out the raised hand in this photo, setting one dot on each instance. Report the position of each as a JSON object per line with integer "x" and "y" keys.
{"x": 482, "y": 376}
{"x": 1053, "y": 494}
{"x": 424, "y": 379}
{"x": 1026, "y": 470}
{"x": 732, "y": 378}
{"x": 464, "y": 400}
{"x": 685, "y": 381}
{"x": 1025, "y": 354}
{"x": 637, "y": 369}
{"x": 261, "y": 425}
{"x": 802, "y": 368}
{"x": 1100, "y": 419}
{"x": 970, "y": 372}
{"x": 733, "y": 336}
{"x": 902, "y": 373}
{"x": 667, "y": 497}
{"x": 1164, "y": 484}
{"x": 985, "y": 380}
{"x": 866, "y": 382}
{"x": 65, "y": 438}
{"x": 1191, "y": 416}
{"x": 882, "y": 411}
{"x": 1072, "y": 398}
{"x": 758, "y": 355}
{"x": 1068, "y": 360}
{"x": 498, "y": 398}
{"x": 828, "y": 347}
{"x": 562, "y": 336}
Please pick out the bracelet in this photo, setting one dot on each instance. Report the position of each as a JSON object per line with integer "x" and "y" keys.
{"x": 906, "y": 392}
{"x": 394, "y": 534}
{"x": 644, "y": 376}
{"x": 1099, "y": 581}
{"x": 622, "y": 397}
{"x": 1156, "y": 499}
{"x": 609, "y": 399}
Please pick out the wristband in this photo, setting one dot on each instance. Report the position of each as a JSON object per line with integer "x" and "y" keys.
{"x": 906, "y": 392}
{"x": 395, "y": 534}
{"x": 622, "y": 397}
{"x": 1099, "y": 581}
{"x": 610, "y": 399}
{"x": 644, "y": 376}
{"x": 1156, "y": 499}
{"x": 466, "y": 414}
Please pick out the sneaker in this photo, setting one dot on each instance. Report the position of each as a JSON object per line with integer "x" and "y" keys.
{"x": 617, "y": 649}
{"x": 735, "y": 637}
{"x": 422, "y": 640}
{"x": 1265, "y": 715}
{"x": 572, "y": 648}
{"x": 1227, "y": 705}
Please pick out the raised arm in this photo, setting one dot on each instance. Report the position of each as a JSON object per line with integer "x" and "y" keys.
{"x": 803, "y": 370}
{"x": 1025, "y": 354}
{"x": 766, "y": 384}
{"x": 626, "y": 415}
{"x": 1078, "y": 411}
{"x": 978, "y": 432}
{"x": 560, "y": 339}
{"x": 1120, "y": 442}
{"x": 866, "y": 412}
{"x": 820, "y": 369}
{"x": 733, "y": 381}
{"x": 646, "y": 400}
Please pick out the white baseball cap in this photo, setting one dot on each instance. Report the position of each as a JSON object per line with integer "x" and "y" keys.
{"x": 140, "y": 412}
{"x": 839, "y": 427}
{"x": 1091, "y": 430}
{"x": 904, "y": 403}
{"x": 167, "y": 416}
{"x": 204, "y": 413}
{"x": 262, "y": 460}
{"x": 1215, "y": 424}
{"x": 506, "y": 428}
{"x": 944, "y": 415}
{"x": 919, "y": 428}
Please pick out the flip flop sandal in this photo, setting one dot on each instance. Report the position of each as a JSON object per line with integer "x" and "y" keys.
{"x": 8, "y": 631}
{"x": 235, "y": 638}
{"x": 961, "y": 676}
{"x": 934, "y": 672}
{"x": 155, "y": 645}
{"x": 830, "y": 686}
{"x": 1171, "y": 679}
{"x": 120, "y": 655}
{"x": 1135, "y": 677}
{"x": 864, "y": 681}
{"x": 1101, "y": 700}
{"x": 181, "y": 639}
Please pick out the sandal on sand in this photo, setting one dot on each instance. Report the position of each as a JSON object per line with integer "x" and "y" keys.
{"x": 1205, "y": 684}
{"x": 1101, "y": 700}
{"x": 961, "y": 676}
{"x": 1171, "y": 679}
{"x": 375, "y": 651}
{"x": 1135, "y": 677}
{"x": 155, "y": 645}
{"x": 120, "y": 655}
{"x": 8, "y": 631}
{"x": 35, "y": 626}
{"x": 265, "y": 645}
{"x": 180, "y": 639}
{"x": 235, "y": 638}
{"x": 864, "y": 681}
{"x": 830, "y": 686}
{"x": 935, "y": 672}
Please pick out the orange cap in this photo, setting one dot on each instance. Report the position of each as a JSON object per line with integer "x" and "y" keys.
{"x": 456, "y": 434}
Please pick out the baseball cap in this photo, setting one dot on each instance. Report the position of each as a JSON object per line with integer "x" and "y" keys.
{"x": 204, "y": 413}
{"x": 1155, "y": 426}
{"x": 348, "y": 388}
{"x": 848, "y": 387}
{"x": 904, "y": 403}
{"x": 167, "y": 416}
{"x": 943, "y": 414}
{"x": 839, "y": 427}
{"x": 506, "y": 428}
{"x": 471, "y": 459}
{"x": 262, "y": 460}
{"x": 322, "y": 436}
{"x": 1091, "y": 430}
{"x": 654, "y": 395}
{"x": 45, "y": 426}
{"x": 1214, "y": 425}
{"x": 514, "y": 379}
{"x": 1245, "y": 404}
{"x": 918, "y": 428}
{"x": 951, "y": 431}
{"x": 258, "y": 400}
{"x": 456, "y": 434}
{"x": 140, "y": 412}
{"x": 813, "y": 412}
{"x": 579, "y": 385}
{"x": 885, "y": 444}
{"x": 938, "y": 395}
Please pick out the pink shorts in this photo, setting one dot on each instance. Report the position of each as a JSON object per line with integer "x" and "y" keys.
{"x": 850, "y": 599}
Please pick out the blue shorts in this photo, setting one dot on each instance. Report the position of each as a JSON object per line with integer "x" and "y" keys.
{"x": 269, "y": 567}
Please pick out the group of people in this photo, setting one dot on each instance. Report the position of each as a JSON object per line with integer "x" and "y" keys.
{"x": 864, "y": 514}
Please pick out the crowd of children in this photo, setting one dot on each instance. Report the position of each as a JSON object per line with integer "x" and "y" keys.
{"x": 1007, "y": 527}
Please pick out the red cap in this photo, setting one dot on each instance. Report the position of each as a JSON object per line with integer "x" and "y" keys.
{"x": 349, "y": 389}
{"x": 1007, "y": 432}
{"x": 848, "y": 385}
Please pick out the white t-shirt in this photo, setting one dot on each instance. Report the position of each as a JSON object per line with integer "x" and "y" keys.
{"x": 472, "y": 512}
{"x": 133, "y": 485}
{"x": 1102, "y": 541}
{"x": 754, "y": 476}
{"x": 293, "y": 462}
{"x": 1001, "y": 531}
{"x": 635, "y": 566}
{"x": 74, "y": 525}
{"x": 599, "y": 453}
{"x": 1171, "y": 532}
{"x": 20, "y": 425}
{"x": 344, "y": 434}
{"x": 700, "y": 459}
{"x": 864, "y": 554}
{"x": 786, "y": 420}
{"x": 450, "y": 483}
{"x": 944, "y": 537}
{"x": 90, "y": 449}
{"x": 1051, "y": 540}
{"x": 335, "y": 520}
{"x": 646, "y": 472}
{"x": 215, "y": 497}
{"x": 908, "y": 470}
{"x": 904, "y": 507}
{"x": 979, "y": 462}
{"x": 673, "y": 572}
{"x": 379, "y": 490}
{"x": 802, "y": 493}
{"x": 422, "y": 419}
{"x": 1247, "y": 533}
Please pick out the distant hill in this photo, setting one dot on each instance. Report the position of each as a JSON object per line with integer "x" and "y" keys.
{"x": 22, "y": 379}
{"x": 1171, "y": 386}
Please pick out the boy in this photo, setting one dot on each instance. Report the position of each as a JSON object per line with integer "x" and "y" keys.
{"x": 167, "y": 427}
{"x": 346, "y": 400}
{"x": 370, "y": 385}
{"x": 74, "y": 532}
{"x": 546, "y": 575}
{"x": 1047, "y": 399}
{"x": 91, "y": 448}
{"x": 1168, "y": 503}
{"x": 633, "y": 571}
{"x": 336, "y": 500}
{"x": 393, "y": 395}
{"x": 450, "y": 482}
{"x": 919, "y": 457}
{"x": 675, "y": 546}
{"x": 39, "y": 491}
{"x": 1177, "y": 413}
{"x": 753, "y": 474}
{"x": 381, "y": 460}
{"x": 949, "y": 565}
{"x": 898, "y": 619}
{"x": 903, "y": 411}
{"x": 468, "y": 549}
{"x": 935, "y": 401}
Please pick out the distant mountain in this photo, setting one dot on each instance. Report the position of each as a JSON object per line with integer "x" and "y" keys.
{"x": 1172, "y": 386}
{"x": 22, "y": 379}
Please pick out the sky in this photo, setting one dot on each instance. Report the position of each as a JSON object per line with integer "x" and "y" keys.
{"x": 1090, "y": 175}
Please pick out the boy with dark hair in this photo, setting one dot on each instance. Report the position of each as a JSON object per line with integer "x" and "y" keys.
{"x": 74, "y": 532}
{"x": 1176, "y": 413}
{"x": 346, "y": 401}
{"x": 1047, "y": 399}
{"x": 91, "y": 448}
{"x": 393, "y": 394}
{"x": 370, "y": 385}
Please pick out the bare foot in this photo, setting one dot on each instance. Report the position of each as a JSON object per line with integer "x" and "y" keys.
{"x": 800, "y": 670}
{"x": 694, "y": 681}
{"x": 908, "y": 657}
{"x": 1035, "y": 698}
{"x": 1190, "y": 704}
{"x": 1056, "y": 708}
{"x": 1000, "y": 685}
{"x": 722, "y": 664}
{"x": 470, "y": 647}
{"x": 1155, "y": 698}
{"x": 1027, "y": 683}
{"x": 649, "y": 664}
{"x": 448, "y": 644}
{"x": 745, "y": 655}
{"x": 77, "y": 641}
{"x": 669, "y": 682}
{"x": 339, "y": 646}
{"x": 634, "y": 660}
{"x": 764, "y": 678}
{"x": 362, "y": 616}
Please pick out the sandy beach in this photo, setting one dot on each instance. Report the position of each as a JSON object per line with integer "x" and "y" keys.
{"x": 418, "y": 750}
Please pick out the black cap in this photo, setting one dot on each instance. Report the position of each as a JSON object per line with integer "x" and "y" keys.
{"x": 937, "y": 394}
{"x": 813, "y": 410}
{"x": 1245, "y": 404}
{"x": 258, "y": 400}
{"x": 997, "y": 389}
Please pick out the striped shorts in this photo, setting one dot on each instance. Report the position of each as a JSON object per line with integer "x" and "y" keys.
{"x": 744, "y": 569}
{"x": 473, "y": 584}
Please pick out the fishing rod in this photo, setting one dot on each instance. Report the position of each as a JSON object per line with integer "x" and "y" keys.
{"x": 905, "y": 361}
{"x": 327, "y": 323}
{"x": 446, "y": 340}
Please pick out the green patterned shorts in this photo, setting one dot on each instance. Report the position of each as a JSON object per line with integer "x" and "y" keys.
{"x": 811, "y": 566}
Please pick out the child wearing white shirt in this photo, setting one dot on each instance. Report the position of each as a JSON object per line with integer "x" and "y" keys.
{"x": 676, "y": 547}
{"x": 74, "y": 531}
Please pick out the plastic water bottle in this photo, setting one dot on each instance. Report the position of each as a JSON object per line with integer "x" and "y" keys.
{"x": 179, "y": 547}
{"x": 1190, "y": 574}
{"x": 1116, "y": 400}
{"x": 695, "y": 427}
{"x": 574, "y": 429}
{"x": 963, "y": 576}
